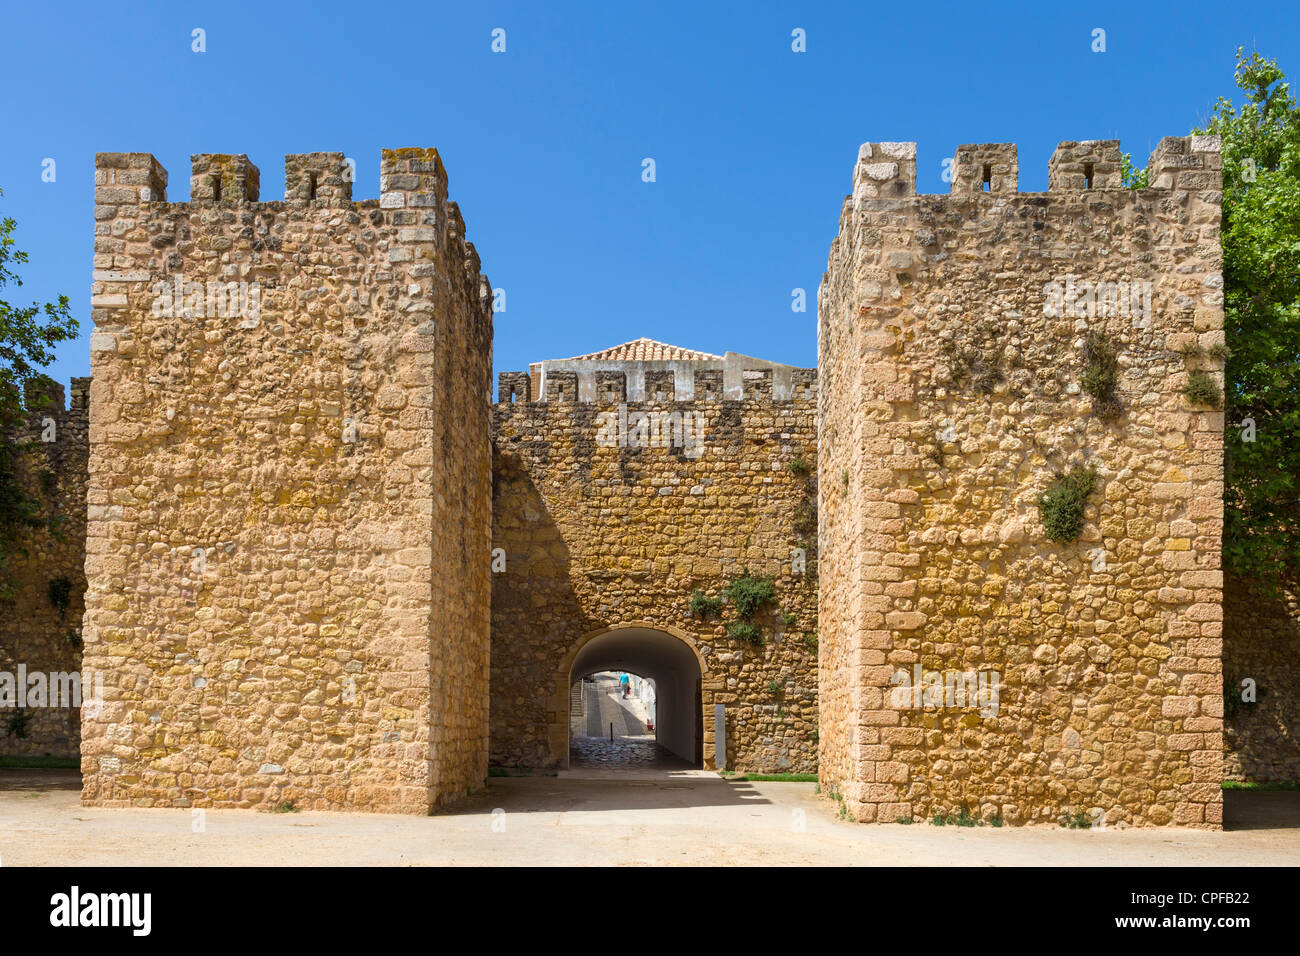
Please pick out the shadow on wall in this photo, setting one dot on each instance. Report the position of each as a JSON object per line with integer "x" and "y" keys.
{"x": 535, "y": 615}
{"x": 538, "y": 617}
{"x": 1261, "y": 643}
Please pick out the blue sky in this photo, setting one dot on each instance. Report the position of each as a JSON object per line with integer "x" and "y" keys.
{"x": 753, "y": 143}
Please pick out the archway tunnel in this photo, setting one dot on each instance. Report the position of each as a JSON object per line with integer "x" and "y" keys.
{"x": 672, "y": 677}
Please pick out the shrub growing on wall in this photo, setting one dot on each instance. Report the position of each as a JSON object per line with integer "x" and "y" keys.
{"x": 748, "y": 594}
{"x": 1101, "y": 374}
{"x": 1061, "y": 506}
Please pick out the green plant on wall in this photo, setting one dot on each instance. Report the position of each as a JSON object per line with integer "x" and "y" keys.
{"x": 748, "y": 593}
{"x": 1101, "y": 374}
{"x": 16, "y": 723}
{"x": 704, "y": 607}
{"x": 1061, "y": 506}
{"x": 60, "y": 594}
{"x": 1202, "y": 389}
{"x": 805, "y": 517}
{"x": 745, "y": 631}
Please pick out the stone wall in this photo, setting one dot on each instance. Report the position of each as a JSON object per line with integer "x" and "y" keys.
{"x": 289, "y": 480}
{"x": 952, "y": 366}
{"x": 1261, "y": 642}
{"x": 37, "y": 635}
{"x": 598, "y": 535}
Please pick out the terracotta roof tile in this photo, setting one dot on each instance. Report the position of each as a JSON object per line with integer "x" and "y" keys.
{"x": 645, "y": 350}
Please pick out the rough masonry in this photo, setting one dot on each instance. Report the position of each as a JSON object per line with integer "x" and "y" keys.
{"x": 289, "y": 492}
{"x": 40, "y": 623}
{"x": 304, "y": 525}
{"x": 625, "y": 482}
{"x": 954, "y": 343}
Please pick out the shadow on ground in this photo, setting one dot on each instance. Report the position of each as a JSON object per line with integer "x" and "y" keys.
{"x": 665, "y": 791}
{"x": 1261, "y": 810}
{"x": 1242, "y": 809}
{"x": 11, "y": 779}
{"x": 623, "y": 753}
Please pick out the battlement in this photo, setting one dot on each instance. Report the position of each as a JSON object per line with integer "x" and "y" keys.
{"x": 657, "y": 386}
{"x": 411, "y": 178}
{"x": 960, "y": 338}
{"x": 131, "y": 193}
{"x": 291, "y": 349}
{"x": 43, "y": 395}
{"x": 887, "y": 171}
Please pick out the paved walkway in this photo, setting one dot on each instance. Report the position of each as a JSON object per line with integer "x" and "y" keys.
{"x": 633, "y": 748}
{"x": 607, "y": 707}
{"x": 622, "y": 753}
{"x": 685, "y": 818}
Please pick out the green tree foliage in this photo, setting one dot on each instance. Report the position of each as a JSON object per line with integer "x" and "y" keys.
{"x": 28, "y": 335}
{"x": 1261, "y": 284}
{"x": 1131, "y": 176}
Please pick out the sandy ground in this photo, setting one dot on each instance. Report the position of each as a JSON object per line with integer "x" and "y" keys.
{"x": 591, "y": 819}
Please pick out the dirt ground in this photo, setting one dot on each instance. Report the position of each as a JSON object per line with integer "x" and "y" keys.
{"x": 591, "y": 819}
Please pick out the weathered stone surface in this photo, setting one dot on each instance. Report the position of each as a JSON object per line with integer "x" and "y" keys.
{"x": 597, "y": 535}
{"x": 36, "y": 634}
{"x": 289, "y": 493}
{"x": 1100, "y": 644}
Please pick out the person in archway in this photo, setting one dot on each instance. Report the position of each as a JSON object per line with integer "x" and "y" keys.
{"x": 626, "y": 684}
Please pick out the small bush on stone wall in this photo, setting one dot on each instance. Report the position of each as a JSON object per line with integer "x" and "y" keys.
{"x": 1078, "y": 820}
{"x": 745, "y": 631}
{"x": 963, "y": 818}
{"x": 704, "y": 607}
{"x": 1061, "y": 506}
{"x": 1202, "y": 389}
{"x": 748, "y": 594}
{"x": 1101, "y": 374}
{"x": 16, "y": 723}
{"x": 60, "y": 593}
{"x": 805, "y": 519}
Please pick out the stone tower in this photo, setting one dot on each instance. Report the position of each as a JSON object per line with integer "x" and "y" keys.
{"x": 973, "y": 348}
{"x": 289, "y": 491}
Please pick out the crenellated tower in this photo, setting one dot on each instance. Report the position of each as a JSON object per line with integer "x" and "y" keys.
{"x": 289, "y": 492}
{"x": 976, "y": 349}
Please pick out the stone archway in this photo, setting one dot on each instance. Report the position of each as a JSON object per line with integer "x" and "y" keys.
{"x": 666, "y": 655}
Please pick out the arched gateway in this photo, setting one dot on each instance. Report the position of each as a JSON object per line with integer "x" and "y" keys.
{"x": 632, "y": 488}
{"x": 670, "y": 660}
